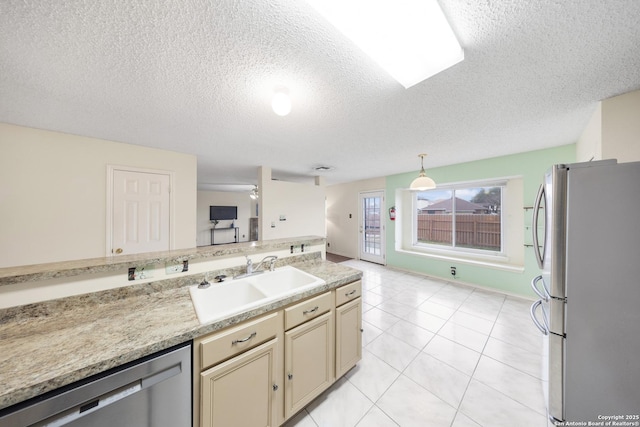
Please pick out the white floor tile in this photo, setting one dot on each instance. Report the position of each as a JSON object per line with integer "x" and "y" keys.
{"x": 385, "y": 291}
{"x": 380, "y": 319}
{"x": 465, "y": 336}
{"x": 447, "y": 383}
{"x": 481, "y": 309}
{"x": 393, "y": 350}
{"x": 447, "y": 301}
{"x": 438, "y": 310}
{"x": 372, "y": 376}
{"x": 366, "y": 307}
{"x": 372, "y": 298}
{"x": 472, "y": 322}
{"x": 394, "y": 307}
{"x": 519, "y": 386}
{"x": 302, "y": 419}
{"x": 488, "y": 407}
{"x": 456, "y": 355}
{"x": 376, "y": 418}
{"x": 343, "y": 405}
{"x": 369, "y": 333}
{"x": 516, "y": 357}
{"x": 458, "y": 348}
{"x": 516, "y": 336}
{"x": 411, "y": 297}
{"x": 425, "y": 320}
{"x": 410, "y": 405}
{"x": 411, "y": 334}
{"x": 463, "y": 421}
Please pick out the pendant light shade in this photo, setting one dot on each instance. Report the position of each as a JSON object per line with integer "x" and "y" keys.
{"x": 422, "y": 182}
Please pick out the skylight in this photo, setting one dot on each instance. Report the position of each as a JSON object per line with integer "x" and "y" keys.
{"x": 410, "y": 39}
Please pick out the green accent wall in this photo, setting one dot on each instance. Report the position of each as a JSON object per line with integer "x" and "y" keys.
{"x": 531, "y": 166}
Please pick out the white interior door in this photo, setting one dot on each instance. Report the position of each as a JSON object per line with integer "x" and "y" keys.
{"x": 140, "y": 212}
{"x": 372, "y": 227}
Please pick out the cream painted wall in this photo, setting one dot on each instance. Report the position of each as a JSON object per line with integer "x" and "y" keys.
{"x": 302, "y": 205}
{"x": 589, "y": 145}
{"x": 613, "y": 131}
{"x": 53, "y": 193}
{"x": 342, "y": 201}
{"x": 621, "y": 127}
{"x": 223, "y": 198}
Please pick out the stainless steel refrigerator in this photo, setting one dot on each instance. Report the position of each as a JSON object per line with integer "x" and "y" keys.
{"x": 586, "y": 227}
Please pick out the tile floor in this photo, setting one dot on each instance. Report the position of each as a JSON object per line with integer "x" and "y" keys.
{"x": 436, "y": 354}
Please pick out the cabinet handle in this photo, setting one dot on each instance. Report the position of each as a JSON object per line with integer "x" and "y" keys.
{"x": 290, "y": 376}
{"x": 313, "y": 310}
{"x": 253, "y": 334}
{"x": 348, "y": 294}
{"x": 275, "y": 387}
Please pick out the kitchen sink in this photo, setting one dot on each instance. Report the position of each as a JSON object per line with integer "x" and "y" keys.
{"x": 235, "y": 296}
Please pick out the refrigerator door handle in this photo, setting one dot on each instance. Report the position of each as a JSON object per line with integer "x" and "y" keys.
{"x": 544, "y": 294}
{"x": 543, "y": 328}
{"x": 534, "y": 229}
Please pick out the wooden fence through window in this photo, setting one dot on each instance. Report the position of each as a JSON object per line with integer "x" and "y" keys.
{"x": 480, "y": 231}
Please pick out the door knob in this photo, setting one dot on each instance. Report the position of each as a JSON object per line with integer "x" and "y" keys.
{"x": 119, "y": 250}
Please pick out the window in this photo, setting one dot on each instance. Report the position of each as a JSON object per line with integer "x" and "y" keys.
{"x": 461, "y": 217}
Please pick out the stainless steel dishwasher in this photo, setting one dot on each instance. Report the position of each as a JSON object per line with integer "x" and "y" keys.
{"x": 152, "y": 392}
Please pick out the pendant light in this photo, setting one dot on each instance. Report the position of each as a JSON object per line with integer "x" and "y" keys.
{"x": 422, "y": 182}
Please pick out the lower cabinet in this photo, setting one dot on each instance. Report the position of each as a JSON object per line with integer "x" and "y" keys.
{"x": 308, "y": 362}
{"x": 241, "y": 391}
{"x": 263, "y": 371}
{"x": 348, "y": 336}
{"x": 237, "y": 377}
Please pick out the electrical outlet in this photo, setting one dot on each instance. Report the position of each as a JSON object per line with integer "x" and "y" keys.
{"x": 140, "y": 272}
{"x": 176, "y": 268}
{"x": 453, "y": 271}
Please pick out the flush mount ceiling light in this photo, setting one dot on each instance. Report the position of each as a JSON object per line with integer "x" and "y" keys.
{"x": 410, "y": 39}
{"x": 422, "y": 182}
{"x": 281, "y": 103}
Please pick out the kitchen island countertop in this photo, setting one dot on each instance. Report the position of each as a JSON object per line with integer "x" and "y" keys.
{"x": 55, "y": 343}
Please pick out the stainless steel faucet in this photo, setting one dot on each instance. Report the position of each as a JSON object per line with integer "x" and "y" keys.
{"x": 249, "y": 265}
{"x": 256, "y": 270}
{"x": 272, "y": 263}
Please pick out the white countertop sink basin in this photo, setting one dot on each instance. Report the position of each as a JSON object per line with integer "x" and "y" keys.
{"x": 236, "y": 296}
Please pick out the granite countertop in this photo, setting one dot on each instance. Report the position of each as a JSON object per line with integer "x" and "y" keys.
{"x": 54, "y": 343}
{"x": 25, "y": 273}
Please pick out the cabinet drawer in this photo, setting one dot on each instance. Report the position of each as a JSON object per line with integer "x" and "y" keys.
{"x": 223, "y": 345}
{"x": 348, "y": 292}
{"x": 307, "y": 310}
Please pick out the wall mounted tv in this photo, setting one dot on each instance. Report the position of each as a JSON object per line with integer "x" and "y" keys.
{"x": 223, "y": 212}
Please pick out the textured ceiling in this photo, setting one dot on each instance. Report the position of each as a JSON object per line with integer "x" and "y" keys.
{"x": 197, "y": 76}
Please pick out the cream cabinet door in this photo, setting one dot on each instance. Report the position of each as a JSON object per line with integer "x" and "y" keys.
{"x": 309, "y": 362}
{"x": 348, "y": 336}
{"x": 241, "y": 391}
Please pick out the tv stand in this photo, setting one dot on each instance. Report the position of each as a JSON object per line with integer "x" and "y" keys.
{"x": 236, "y": 234}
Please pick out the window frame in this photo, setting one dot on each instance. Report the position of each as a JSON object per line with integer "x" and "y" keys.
{"x": 457, "y": 251}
